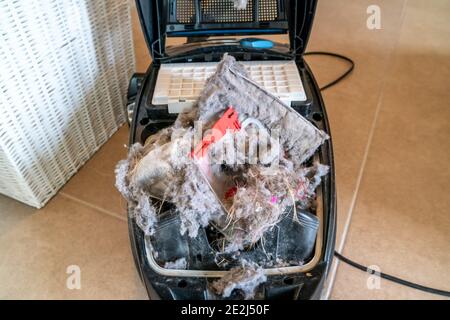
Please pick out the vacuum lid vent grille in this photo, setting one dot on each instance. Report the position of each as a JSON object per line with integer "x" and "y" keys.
{"x": 223, "y": 11}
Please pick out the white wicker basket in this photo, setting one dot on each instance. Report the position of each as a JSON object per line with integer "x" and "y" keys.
{"x": 64, "y": 71}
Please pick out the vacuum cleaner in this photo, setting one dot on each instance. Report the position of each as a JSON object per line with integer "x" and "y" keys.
{"x": 172, "y": 84}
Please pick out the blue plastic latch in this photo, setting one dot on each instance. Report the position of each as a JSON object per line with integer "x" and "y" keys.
{"x": 256, "y": 43}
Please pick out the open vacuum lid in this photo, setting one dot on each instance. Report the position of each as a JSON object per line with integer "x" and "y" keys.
{"x": 203, "y": 18}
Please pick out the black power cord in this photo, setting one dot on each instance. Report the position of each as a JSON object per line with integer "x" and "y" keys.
{"x": 392, "y": 278}
{"x": 334, "y": 55}
{"x": 337, "y": 254}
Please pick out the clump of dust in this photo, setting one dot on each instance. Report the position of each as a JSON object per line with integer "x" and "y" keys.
{"x": 139, "y": 202}
{"x": 263, "y": 198}
{"x": 179, "y": 264}
{"x": 246, "y": 277}
{"x": 164, "y": 172}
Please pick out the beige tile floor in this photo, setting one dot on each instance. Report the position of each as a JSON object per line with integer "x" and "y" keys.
{"x": 390, "y": 130}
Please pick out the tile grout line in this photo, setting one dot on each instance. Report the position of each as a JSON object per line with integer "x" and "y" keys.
{"x": 90, "y": 205}
{"x": 335, "y": 263}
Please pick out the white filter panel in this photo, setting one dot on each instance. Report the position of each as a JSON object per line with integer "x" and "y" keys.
{"x": 179, "y": 84}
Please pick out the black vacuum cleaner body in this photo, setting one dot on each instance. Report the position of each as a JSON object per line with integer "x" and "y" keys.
{"x": 310, "y": 241}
